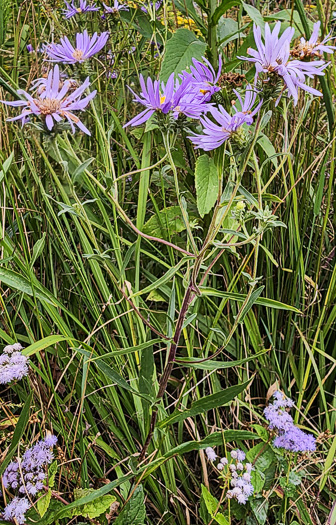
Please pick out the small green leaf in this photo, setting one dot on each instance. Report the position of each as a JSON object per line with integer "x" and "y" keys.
{"x": 43, "y": 503}
{"x": 260, "y": 508}
{"x": 262, "y": 432}
{"x": 222, "y": 8}
{"x": 38, "y": 249}
{"x": 134, "y": 511}
{"x": 94, "y": 508}
{"x": 206, "y": 179}
{"x": 181, "y": 48}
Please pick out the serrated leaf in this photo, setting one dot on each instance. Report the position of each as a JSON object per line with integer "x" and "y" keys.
{"x": 43, "y": 503}
{"x": 181, "y": 48}
{"x": 134, "y": 511}
{"x": 212, "y": 505}
{"x": 260, "y": 508}
{"x": 206, "y": 179}
{"x": 167, "y": 222}
{"x": 95, "y": 508}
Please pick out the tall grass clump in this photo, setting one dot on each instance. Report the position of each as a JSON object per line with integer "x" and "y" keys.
{"x": 168, "y": 277}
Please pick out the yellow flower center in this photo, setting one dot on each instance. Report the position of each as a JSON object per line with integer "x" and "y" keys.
{"x": 78, "y": 10}
{"x": 162, "y": 99}
{"x": 48, "y": 105}
{"x": 78, "y": 54}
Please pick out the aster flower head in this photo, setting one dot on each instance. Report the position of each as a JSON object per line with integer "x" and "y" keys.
{"x": 54, "y": 103}
{"x": 13, "y": 365}
{"x": 203, "y": 79}
{"x": 86, "y": 47}
{"x": 273, "y": 59}
{"x": 83, "y": 7}
{"x": 295, "y": 440}
{"x": 225, "y": 125}
{"x": 115, "y": 8}
{"x": 16, "y": 510}
{"x": 313, "y": 48}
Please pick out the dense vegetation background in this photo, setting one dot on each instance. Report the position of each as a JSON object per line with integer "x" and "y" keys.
{"x": 94, "y": 303}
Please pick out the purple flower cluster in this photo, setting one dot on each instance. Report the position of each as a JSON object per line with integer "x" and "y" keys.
{"x": 26, "y": 476}
{"x": 224, "y": 126}
{"x": 289, "y": 436}
{"x": 84, "y": 7}
{"x": 189, "y": 95}
{"x": 273, "y": 58}
{"x": 16, "y": 510}
{"x": 238, "y": 472}
{"x": 86, "y": 47}
{"x": 13, "y": 365}
{"x": 240, "y": 482}
{"x": 54, "y": 102}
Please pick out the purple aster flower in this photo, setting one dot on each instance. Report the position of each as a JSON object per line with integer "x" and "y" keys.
{"x": 156, "y": 6}
{"x": 54, "y": 103}
{"x": 225, "y": 126}
{"x": 203, "y": 78}
{"x": 313, "y": 47}
{"x": 116, "y": 8}
{"x": 273, "y": 58}
{"x": 155, "y": 96}
{"x": 16, "y": 510}
{"x": 13, "y": 365}
{"x": 295, "y": 440}
{"x": 84, "y": 7}
{"x": 211, "y": 454}
{"x": 30, "y": 48}
{"x": 86, "y": 47}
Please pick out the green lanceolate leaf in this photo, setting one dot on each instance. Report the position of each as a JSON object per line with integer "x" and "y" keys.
{"x": 180, "y": 50}
{"x": 205, "y": 404}
{"x": 18, "y": 433}
{"x": 206, "y": 179}
{"x": 270, "y": 303}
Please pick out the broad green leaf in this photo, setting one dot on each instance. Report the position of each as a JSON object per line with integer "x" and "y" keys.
{"x": 206, "y": 179}
{"x": 167, "y": 222}
{"x": 181, "y": 48}
{"x": 271, "y": 303}
{"x": 257, "y": 480}
{"x": 18, "y": 433}
{"x": 38, "y": 249}
{"x": 134, "y": 511}
{"x": 212, "y": 505}
{"x": 222, "y": 8}
{"x": 268, "y": 148}
{"x": 260, "y": 508}
{"x": 254, "y": 14}
{"x": 251, "y": 301}
{"x": 43, "y": 503}
{"x": 262, "y": 456}
{"x": 205, "y": 404}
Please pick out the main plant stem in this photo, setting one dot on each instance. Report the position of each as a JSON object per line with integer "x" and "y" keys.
{"x": 188, "y": 297}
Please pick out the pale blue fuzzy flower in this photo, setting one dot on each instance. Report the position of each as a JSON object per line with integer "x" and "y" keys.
{"x": 295, "y": 440}
{"x": 13, "y": 365}
{"x": 16, "y": 510}
{"x": 278, "y": 418}
{"x": 27, "y": 474}
{"x": 211, "y": 454}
